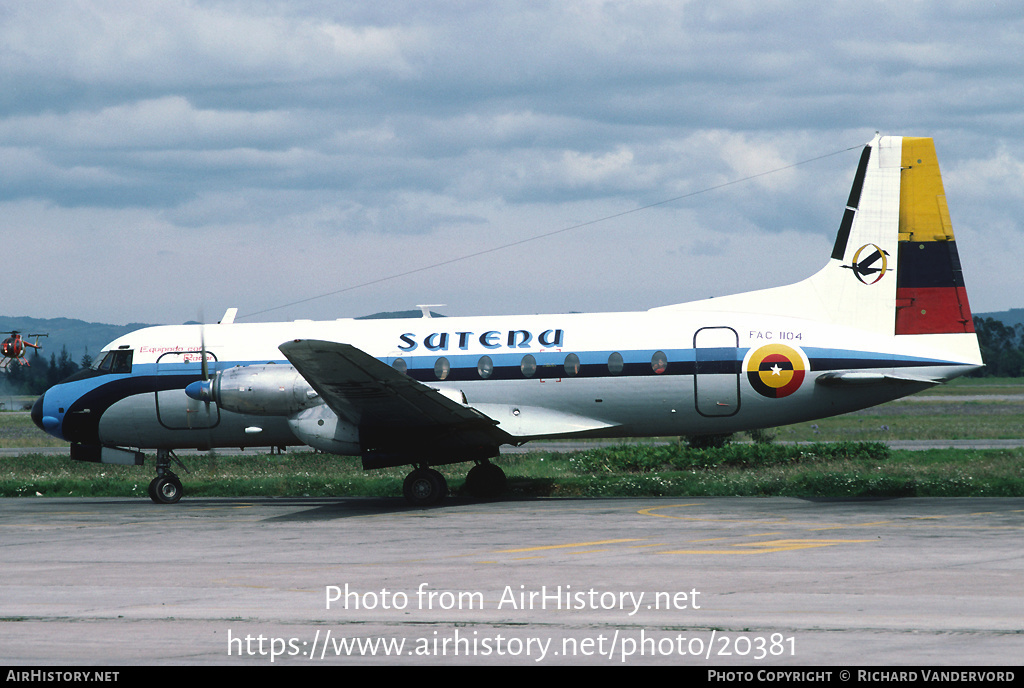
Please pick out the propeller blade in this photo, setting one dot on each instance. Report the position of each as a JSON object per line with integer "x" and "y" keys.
{"x": 202, "y": 353}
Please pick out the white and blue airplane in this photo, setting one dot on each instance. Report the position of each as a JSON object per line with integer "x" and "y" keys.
{"x": 886, "y": 317}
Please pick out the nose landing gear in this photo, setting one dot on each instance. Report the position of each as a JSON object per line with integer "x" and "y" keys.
{"x": 166, "y": 486}
{"x": 165, "y": 489}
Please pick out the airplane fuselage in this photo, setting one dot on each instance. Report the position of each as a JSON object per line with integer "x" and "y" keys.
{"x": 598, "y": 375}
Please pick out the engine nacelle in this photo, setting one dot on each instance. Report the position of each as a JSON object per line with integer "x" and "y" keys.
{"x": 258, "y": 390}
{"x": 320, "y": 428}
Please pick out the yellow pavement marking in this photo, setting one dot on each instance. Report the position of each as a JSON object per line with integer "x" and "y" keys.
{"x": 765, "y": 547}
{"x": 567, "y": 545}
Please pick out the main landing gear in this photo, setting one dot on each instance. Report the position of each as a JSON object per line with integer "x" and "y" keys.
{"x": 427, "y": 487}
{"x": 166, "y": 486}
{"x": 485, "y": 480}
{"x": 424, "y": 487}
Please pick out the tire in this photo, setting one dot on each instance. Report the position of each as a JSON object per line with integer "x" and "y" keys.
{"x": 165, "y": 489}
{"x": 486, "y": 481}
{"x": 424, "y": 487}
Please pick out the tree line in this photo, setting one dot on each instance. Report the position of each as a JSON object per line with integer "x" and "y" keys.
{"x": 1002, "y": 348}
{"x": 41, "y": 373}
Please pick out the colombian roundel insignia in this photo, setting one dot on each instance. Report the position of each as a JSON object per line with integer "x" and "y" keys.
{"x": 775, "y": 370}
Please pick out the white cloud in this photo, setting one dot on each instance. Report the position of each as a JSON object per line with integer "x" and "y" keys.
{"x": 159, "y": 123}
{"x": 323, "y": 139}
{"x": 193, "y": 43}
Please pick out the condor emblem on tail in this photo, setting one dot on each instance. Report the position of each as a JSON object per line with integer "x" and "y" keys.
{"x": 872, "y": 268}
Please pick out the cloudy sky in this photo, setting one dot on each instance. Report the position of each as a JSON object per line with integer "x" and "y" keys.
{"x": 162, "y": 160}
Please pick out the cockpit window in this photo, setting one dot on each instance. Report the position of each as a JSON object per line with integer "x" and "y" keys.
{"x": 117, "y": 361}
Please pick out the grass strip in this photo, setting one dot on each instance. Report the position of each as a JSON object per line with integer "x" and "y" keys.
{"x": 849, "y": 469}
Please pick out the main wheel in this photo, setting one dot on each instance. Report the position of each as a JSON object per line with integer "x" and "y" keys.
{"x": 424, "y": 487}
{"x": 165, "y": 489}
{"x": 485, "y": 480}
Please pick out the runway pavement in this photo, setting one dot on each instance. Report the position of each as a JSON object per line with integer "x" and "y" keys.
{"x": 694, "y": 582}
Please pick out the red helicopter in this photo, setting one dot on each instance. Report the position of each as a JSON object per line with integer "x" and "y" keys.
{"x": 13, "y": 348}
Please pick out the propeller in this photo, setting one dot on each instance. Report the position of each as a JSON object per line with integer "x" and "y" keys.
{"x": 202, "y": 390}
{"x": 205, "y": 368}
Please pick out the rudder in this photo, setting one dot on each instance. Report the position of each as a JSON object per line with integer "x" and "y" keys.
{"x": 930, "y": 293}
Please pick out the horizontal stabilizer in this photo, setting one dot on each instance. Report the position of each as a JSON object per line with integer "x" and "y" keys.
{"x": 859, "y": 378}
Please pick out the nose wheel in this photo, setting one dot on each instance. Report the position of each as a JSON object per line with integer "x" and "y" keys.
{"x": 165, "y": 489}
{"x": 166, "y": 486}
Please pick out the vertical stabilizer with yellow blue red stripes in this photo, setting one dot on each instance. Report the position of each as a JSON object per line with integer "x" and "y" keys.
{"x": 930, "y": 293}
{"x": 895, "y": 268}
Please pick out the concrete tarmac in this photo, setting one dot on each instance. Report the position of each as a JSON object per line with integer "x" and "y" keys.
{"x": 704, "y": 582}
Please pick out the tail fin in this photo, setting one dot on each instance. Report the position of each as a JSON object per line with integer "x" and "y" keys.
{"x": 896, "y": 238}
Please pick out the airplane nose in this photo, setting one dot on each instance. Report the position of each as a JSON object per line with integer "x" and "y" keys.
{"x": 37, "y": 412}
{"x": 47, "y": 424}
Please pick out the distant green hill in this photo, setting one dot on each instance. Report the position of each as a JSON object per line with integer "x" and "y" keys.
{"x": 1012, "y": 317}
{"x": 395, "y": 315}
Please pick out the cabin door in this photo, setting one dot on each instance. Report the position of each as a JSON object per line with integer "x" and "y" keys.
{"x": 716, "y": 377}
{"x": 174, "y": 409}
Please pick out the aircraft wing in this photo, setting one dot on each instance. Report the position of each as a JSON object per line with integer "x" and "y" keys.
{"x": 384, "y": 403}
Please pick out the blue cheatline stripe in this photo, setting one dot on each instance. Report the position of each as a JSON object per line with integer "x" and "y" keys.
{"x": 594, "y": 364}
{"x": 103, "y": 389}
